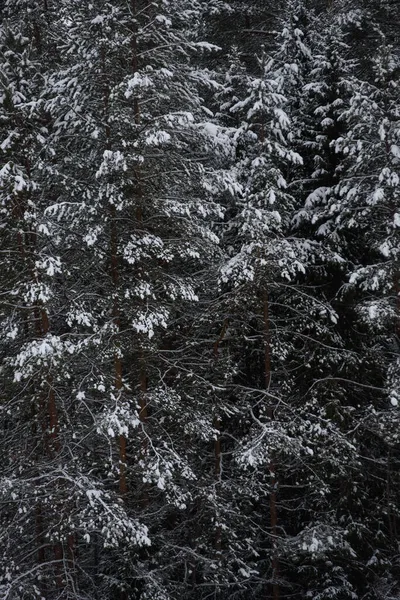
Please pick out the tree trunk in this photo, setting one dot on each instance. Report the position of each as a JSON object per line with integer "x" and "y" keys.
{"x": 217, "y": 454}
{"x": 218, "y": 445}
{"x": 117, "y": 356}
{"x": 273, "y": 513}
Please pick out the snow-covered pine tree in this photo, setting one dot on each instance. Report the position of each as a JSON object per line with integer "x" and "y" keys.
{"x": 30, "y": 420}
{"x": 316, "y": 403}
{"x": 347, "y": 388}
{"x": 293, "y": 54}
{"x": 267, "y": 339}
{"x": 366, "y": 216}
{"x": 133, "y": 175}
{"x": 316, "y": 77}
{"x": 54, "y": 501}
{"x": 263, "y": 261}
{"x": 117, "y": 217}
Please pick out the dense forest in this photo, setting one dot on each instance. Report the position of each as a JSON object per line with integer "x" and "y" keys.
{"x": 199, "y": 299}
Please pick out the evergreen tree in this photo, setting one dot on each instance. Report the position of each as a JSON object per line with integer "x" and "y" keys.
{"x": 122, "y": 201}
{"x": 336, "y": 210}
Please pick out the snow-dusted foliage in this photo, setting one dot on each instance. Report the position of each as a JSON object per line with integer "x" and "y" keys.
{"x": 106, "y": 216}
{"x": 199, "y": 300}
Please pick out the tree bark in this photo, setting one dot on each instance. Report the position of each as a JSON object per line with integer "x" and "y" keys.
{"x": 272, "y": 466}
{"x": 218, "y": 444}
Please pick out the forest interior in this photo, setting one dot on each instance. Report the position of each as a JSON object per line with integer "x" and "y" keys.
{"x": 199, "y": 299}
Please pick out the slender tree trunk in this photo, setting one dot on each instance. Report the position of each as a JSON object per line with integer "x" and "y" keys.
{"x": 143, "y": 410}
{"x": 217, "y": 455}
{"x": 96, "y": 578}
{"x": 389, "y": 496}
{"x": 40, "y": 328}
{"x": 396, "y": 288}
{"x": 71, "y": 545}
{"x": 143, "y": 413}
{"x": 218, "y": 444}
{"x": 118, "y": 383}
{"x": 136, "y": 107}
{"x": 48, "y": 412}
{"x": 267, "y": 346}
{"x": 52, "y": 406}
{"x": 53, "y": 443}
{"x": 40, "y": 534}
{"x": 392, "y": 517}
{"x": 272, "y": 466}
